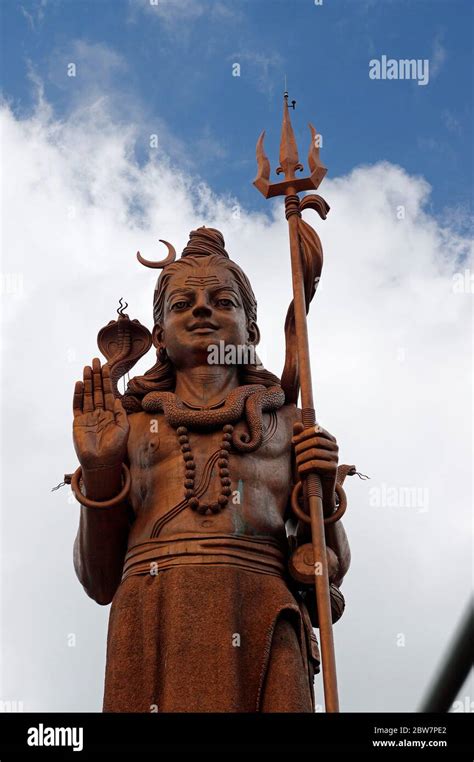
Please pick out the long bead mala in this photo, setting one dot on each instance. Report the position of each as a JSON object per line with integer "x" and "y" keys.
{"x": 190, "y": 471}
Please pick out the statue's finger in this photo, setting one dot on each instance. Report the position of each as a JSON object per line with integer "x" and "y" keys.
{"x": 325, "y": 434}
{"x": 325, "y": 456}
{"x": 313, "y": 431}
{"x": 297, "y": 428}
{"x": 121, "y": 415}
{"x": 302, "y": 434}
{"x": 88, "y": 405}
{"x": 97, "y": 383}
{"x": 316, "y": 441}
{"x": 109, "y": 398}
{"x": 77, "y": 400}
{"x": 318, "y": 466}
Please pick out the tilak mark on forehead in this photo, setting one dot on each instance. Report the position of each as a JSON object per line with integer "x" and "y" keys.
{"x": 202, "y": 281}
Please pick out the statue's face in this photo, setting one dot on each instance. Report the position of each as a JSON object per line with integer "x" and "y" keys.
{"x": 202, "y": 307}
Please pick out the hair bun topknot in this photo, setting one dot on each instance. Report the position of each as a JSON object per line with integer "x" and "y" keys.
{"x": 205, "y": 241}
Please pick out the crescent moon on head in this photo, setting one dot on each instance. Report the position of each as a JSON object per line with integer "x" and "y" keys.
{"x": 163, "y": 262}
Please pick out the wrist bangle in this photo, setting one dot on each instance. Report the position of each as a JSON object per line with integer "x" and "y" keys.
{"x": 76, "y": 477}
{"x": 338, "y": 513}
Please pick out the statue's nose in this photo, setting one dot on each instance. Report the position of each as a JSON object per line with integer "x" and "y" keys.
{"x": 202, "y": 308}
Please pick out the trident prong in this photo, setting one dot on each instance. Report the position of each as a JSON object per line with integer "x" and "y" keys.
{"x": 289, "y": 162}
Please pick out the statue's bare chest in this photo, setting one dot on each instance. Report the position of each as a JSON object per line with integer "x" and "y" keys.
{"x": 158, "y": 466}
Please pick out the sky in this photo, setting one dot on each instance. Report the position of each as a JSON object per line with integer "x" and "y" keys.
{"x": 170, "y": 67}
{"x": 154, "y": 136}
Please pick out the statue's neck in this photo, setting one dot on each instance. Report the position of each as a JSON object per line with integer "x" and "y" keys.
{"x": 203, "y": 386}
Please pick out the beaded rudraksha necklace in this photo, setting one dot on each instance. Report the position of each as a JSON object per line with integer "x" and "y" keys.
{"x": 190, "y": 471}
{"x": 247, "y": 402}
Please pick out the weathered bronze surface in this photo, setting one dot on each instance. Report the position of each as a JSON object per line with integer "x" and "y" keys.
{"x": 186, "y": 483}
{"x": 306, "y": 263}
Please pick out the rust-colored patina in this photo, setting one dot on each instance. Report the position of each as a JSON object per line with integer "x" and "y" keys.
{"x": 306, "y": 265}
{"x": 190, "y": 524}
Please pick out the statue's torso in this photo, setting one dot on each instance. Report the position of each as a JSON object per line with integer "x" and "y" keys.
{"x": 260, "y": 480}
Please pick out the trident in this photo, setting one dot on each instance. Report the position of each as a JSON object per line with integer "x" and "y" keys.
{"x": 306, "y": 264}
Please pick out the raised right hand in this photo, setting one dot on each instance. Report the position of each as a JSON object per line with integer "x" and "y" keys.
{"x": 100, "y": 428}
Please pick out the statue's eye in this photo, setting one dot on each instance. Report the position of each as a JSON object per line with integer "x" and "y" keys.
{"x": 181, "y": 305}
{"x": 225, "y": 302}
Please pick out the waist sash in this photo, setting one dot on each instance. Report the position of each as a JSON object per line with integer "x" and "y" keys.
{"x": 263, "y": 555}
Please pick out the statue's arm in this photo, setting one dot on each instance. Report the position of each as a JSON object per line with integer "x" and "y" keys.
{"x": 336, "y": 539}
{"x": 101, "y": 541}
{"x": 100, "y": 435}
{"x": 335, "y": 534}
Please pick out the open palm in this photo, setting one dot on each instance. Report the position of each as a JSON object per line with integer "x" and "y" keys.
{"x": 100, "y": 428}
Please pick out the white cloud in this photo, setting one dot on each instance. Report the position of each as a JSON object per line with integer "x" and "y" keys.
{"x": 391, "y": 358}
{"x": 97, "y": 67}
{"x": 451, "y": 122}
{"x": 177, "y": 12}
{"x": 35, "y": 18}
{"x": 171, "y": 10}
{"x": 263, "y": 69}
{"x": 438, "y": 57}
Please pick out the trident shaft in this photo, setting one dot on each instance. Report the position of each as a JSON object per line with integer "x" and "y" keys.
{"x": 290, "y": 187}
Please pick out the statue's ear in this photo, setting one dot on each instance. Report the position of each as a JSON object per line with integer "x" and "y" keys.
{"x": 253, "y": 333}
{"x": 157, "y": 335}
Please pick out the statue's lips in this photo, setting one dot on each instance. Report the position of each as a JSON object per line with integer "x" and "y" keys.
{"x": 203, "y": 328}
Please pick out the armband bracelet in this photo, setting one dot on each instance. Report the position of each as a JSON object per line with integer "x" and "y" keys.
{"x": 338, "y": 513}
{"x": 76, "y": 477}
